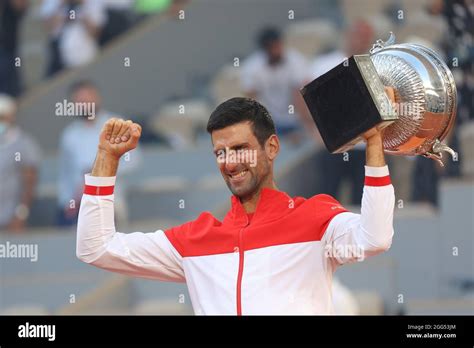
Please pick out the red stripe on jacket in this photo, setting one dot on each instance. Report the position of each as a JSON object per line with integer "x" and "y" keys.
{"x": 98, "y": 190}
{"x": 377, "y": 180}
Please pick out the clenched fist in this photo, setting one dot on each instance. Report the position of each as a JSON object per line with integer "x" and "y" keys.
{"x": 119, "y": 136}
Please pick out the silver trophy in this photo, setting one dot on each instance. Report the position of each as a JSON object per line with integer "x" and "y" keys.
{"x": 350, "y": 99}
{"x": 425, "y": 95}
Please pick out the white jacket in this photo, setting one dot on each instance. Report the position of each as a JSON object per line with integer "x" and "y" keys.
{"x": 279, "y": 262}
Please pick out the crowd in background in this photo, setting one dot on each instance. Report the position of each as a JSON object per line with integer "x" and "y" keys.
{"x": 272, "y": 74}
{"x": 76, "y": 31}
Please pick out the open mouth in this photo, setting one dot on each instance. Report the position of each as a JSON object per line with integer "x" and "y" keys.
{"x": 239, "y": 175}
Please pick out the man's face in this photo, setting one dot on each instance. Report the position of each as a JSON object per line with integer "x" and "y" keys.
{"x": 243, "y": 163}
{"x": 274, "y": 52}
{"x": 90, "y": 96}
{"x": 360, "y": 38}
{"x": 7, "y": 119}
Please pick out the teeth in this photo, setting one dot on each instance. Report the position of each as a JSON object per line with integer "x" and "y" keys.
{"x": 238, "y": 175}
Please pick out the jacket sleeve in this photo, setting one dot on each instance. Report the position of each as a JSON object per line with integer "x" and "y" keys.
{"x": 352, "y": 237}
{"x": 146, "y": 255}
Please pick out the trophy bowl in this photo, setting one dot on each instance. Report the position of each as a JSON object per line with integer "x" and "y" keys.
{"x": 350, "y": 99}
{"x": 425, "y": 98}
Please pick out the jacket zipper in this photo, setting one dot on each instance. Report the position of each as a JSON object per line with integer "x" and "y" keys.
{"x": 241, "y": 270}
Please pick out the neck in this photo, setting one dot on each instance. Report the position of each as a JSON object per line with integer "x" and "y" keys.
{"x": 250, "y": 203}
{"x": 273, "y": 61}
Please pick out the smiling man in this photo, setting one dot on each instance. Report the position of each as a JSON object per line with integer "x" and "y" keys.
{"x": 271, "y": 254}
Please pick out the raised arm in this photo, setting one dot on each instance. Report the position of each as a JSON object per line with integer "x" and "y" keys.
{"x": 147, "y": 255}
{"x": 350, "y": 237}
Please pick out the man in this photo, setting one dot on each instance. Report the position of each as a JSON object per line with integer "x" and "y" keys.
{"x": 74, "y": 27}
{"x": 19, "y": 159}
{"x": 271, "y": 254}
{"x": 274, "y": 75}
{"x": 74, "y": 160}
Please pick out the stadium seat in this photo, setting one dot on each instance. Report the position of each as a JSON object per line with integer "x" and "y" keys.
{"x": 180, "y": 120}
{"x": 425, "y": 26}
{"x": 382, "y": 27}
{"x": 311, "y": 37}
{"x": 162, "y": 307}
{"x": 364, "y": 8}
{"x": 466, "y": 137}
{"x": 370, "y": 303}
{"x": 26, "y": 309}
{"x": 226, "y": 84}
{"x": 441, "y": 306}
{"x": 410, "y": 6}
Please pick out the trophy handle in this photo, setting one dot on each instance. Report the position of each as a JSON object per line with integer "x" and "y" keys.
{"x": 379, "y": 44}
{"x": 436, "y": 152}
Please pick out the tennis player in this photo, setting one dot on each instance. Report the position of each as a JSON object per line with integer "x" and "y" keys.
{"x": 271, "y": 254}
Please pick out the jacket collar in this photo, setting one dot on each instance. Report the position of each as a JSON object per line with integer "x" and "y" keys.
{"x": 272, "y": 205}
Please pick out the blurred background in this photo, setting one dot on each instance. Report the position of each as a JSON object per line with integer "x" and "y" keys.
{"x": 167, "y": 64}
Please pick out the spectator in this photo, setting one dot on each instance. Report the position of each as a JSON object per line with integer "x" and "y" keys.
{"x": 459, "y": 48}
{"x": 19, "y": 158}
{"x": 425, "y": 181}
{"x": 359, "y": 38}
{"x": 11, "y": 13}
{"x": 273, "y": 75}
{"x": 119, "y": 19}
{"x": 78, "y": 146}
{"x": 74, "y": 27}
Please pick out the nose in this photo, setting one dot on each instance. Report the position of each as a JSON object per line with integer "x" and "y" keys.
{"x": 230, "y": 167}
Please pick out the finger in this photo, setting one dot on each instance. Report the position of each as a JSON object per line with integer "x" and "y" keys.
{"x": 124, "y": 133}
{"x": 391, "y": 93}
{"x": 135, "y": 133}
{"x": 108, "y": 126}
{"x": 139, "y": 129}
{"x": 116, "y": 130}
{"x": 136, "y": 130}
{"x": 126, "y": 136}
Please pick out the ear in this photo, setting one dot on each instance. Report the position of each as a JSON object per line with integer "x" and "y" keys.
{"x": 272, "y": 147}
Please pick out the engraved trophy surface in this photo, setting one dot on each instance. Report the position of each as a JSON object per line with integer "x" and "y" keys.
{"x": 425, "y": 100}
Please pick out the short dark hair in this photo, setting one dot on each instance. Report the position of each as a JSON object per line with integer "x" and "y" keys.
{"x": 238, "y": 109}
{"x": 267, "y": 36}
